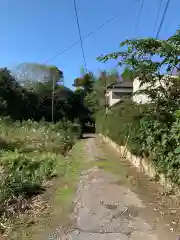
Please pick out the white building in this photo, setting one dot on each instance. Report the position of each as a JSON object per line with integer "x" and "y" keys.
{"x": 116, "y": 92}
{"x": 139, "y": 98}
{"x": 142, "y": 97}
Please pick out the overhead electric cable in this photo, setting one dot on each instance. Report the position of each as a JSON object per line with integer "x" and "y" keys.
{"x": 89, "y": 34}
{"x": 158, "y": 14}
{"x": 139, "y": 14}
{"x": 162, "y": 19}
{"x": 80, "y": 37}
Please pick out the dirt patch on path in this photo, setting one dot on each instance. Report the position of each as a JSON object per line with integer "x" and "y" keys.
{"x": 111, "y": 205}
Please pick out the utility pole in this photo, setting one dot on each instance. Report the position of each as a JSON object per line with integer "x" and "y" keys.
{"x": 53, "y": 88}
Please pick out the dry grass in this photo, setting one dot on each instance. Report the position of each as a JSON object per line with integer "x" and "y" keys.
{"x": 31, "y": 154}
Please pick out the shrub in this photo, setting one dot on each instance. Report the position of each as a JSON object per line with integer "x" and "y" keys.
{"x": 24, "y": 175}
{"x": 121, "y": 123}
{"x": 156, "y": 131}
{"x": 161, "y": 141}
{"x": 146, "y": 132}
{"x": 31, "y": 136}
{"x": 31, "y": 153}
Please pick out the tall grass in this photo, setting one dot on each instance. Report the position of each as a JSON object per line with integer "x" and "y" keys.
{"x": 30, "y": 136}
{"x": 30, "y": 154}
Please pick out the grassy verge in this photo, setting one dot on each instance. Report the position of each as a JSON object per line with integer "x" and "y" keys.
{"x": 31, "y": 154}
{"x": 110, "y": 161}
{"x": 127, "y": 174}
{"x": 58, "y": 200}
{"x": 74, "y": 166}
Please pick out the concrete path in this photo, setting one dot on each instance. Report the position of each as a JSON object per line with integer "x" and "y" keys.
{"x": 106, "y": 209}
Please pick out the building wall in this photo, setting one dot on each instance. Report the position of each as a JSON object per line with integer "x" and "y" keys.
{"x": 110, "y": 100}
{"x": 143, "y": 98}
{"x": 139, "y": 98}
{"x": 113, "y": 96}
{"x": 116, "y": 97}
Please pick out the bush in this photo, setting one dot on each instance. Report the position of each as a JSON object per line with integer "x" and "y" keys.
{"x": 161, "y": 141}
{"x": 31, "y": 153}
{"x": 147, "y": 132}
{"x": 31, "y": 136}
{"x": 23, "y": 175}
{"x": 121, "y": 123}
{"x": 154, "y": 132}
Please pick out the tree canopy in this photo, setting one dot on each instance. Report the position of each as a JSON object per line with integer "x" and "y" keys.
{"x": 28, "y": 74}
{"x": 150, "y": 60}
{"x": 20, "y": 101}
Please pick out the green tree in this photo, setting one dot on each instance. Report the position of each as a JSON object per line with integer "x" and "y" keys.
{"x": 43, "y": 81}
{"x": 100, "y": 87}
{"x": 127, "y": 74}
{"x": 85, "y": 82}
{"x": 149, "y": 60}
{"x": 157, "y": 127}
{"x": 14, "y": 98}
{"x": 20, "y": 102}
{"x": 29, "y": 74}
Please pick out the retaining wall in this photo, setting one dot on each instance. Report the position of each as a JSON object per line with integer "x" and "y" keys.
{"x": 142, "y": 164}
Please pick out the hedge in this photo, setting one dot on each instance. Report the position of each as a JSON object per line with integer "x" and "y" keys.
{"x": 146, "y": 132}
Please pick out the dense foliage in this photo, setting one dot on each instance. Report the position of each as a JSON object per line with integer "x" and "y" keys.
{"x": 122, "y": 123}
{"x": 22, "y": 102}
{"x": 32, "y": 148}
{"x": 144, "y": 134}
{"x": 153, "y": 129}
{"x": 95, "y": 99}
{"x": 31, "y": 152}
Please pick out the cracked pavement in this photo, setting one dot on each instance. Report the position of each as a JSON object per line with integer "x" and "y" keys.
{"x": 107, "y": 210}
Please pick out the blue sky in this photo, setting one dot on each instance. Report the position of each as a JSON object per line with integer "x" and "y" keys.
{"x": 36, "y": 30}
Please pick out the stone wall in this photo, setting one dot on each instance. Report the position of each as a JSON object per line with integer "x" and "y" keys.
{"x": 142, "y": 165}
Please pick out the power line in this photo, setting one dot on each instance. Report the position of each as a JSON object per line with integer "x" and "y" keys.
{"x": 163, "y": 17}
{"x": 156, "y": 22}
{"x": 62, "y": 52}
{"x": 92, "y": 32}
{"x": 80, "y": 37}
{"x": 138, "y": 18}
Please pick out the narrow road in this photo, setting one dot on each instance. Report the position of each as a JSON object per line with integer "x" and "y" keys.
{"x": 112, "y": 206}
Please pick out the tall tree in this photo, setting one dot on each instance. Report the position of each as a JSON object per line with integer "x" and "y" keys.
{"x": 29, "y": 74}
{"x": 85, "y": 82}
{"x": 20, "y": 102}
{"x": 14, "y": 98}
{"x": 42, "y": 80}
{"x": 150, "y": 59}
{"x": 95, "y": 99}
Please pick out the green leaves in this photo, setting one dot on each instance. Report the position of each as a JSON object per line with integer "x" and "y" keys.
{"x": 155, "y": 132}
{"x": 85, "y": 82}
{"x": 150, "y": 133}
{"x": 33, "y": 99}
{"x": 35, "y": 72}
{"x": 137, "y": 51}
{"x": 177, "y": 150}
{"x": 105, "y": 58}
{"x": 31, "y": 153}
